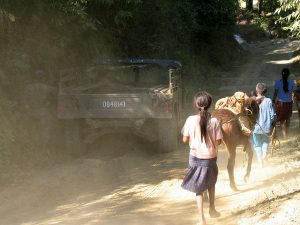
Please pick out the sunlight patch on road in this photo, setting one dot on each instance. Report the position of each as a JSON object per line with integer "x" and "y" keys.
{"x": 67, "y": 207}
{"x": 167, "y": 191}
{"x": 285, "y": 50}
{"x": 94, "y": 208}
{"x": 281, "y": 62}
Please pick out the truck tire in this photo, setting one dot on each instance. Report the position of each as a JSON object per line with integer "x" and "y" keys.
{"x": 168, "y": 134}
{"x": 72, "y": 137}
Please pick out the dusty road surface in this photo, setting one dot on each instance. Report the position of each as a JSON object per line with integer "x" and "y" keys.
{"x": 140, "y": 188}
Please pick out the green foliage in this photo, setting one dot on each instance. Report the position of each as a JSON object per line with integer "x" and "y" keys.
{"x": 269, "y": 5}
{"x": 122, "y": 12}
{"x": 262, "y": 22}
{"x": 217, "y": 13}
{"x": 289, "y": 16}
{"x": 73, "y": 7}
{"x": 153, "y": 26}
{"x": 119, "y": 11}
{"x": 165, "y": 27}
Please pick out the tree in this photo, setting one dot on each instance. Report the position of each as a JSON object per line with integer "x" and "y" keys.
{"x": 289, "y": 16}
{"x": 249, "y": 4}
{"x": 268, "y": 6}
{"x": 259, "y": 5}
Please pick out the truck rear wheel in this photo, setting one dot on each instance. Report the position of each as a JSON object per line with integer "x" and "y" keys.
{"x": 168, "y": 134}
{"x": 72, "y": 137}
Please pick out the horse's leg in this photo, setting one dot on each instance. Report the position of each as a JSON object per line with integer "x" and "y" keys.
{"x": 249, "y": 153}
{"x": 231, "y": 149}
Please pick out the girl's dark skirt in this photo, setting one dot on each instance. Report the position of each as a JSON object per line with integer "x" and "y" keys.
{"x": 202, "y": 174}
{"x": 284, "y": 110}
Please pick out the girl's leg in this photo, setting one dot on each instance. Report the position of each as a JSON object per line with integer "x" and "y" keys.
{"x": 288, "y": 122}
{"x": 283, "y": 129}
{"x": 205, "y": 196}
{"x": 199, "y": 198}
{"x": 265, "y": 146}
{"x": 212, "y": 209}
{"x": 257, "y": 144}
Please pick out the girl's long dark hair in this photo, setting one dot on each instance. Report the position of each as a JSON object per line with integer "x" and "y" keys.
{"x": 285, "y": 74}
{"x": 202, "y": 102}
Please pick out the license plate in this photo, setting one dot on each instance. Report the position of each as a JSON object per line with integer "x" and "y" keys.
{"x": 113, "y": 104}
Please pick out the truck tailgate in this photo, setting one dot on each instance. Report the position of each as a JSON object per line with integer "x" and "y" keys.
{"x": 71, "y": 106}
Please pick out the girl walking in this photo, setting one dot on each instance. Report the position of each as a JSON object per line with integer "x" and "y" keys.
{"x": 203, "y": 133}
{"x": 297, "y": 97}
{"x": 284, "y": 104}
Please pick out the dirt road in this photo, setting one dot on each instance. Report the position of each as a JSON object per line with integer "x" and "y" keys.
{"x": 140, "y": 188}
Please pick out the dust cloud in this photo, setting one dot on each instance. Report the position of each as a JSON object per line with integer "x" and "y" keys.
{"x": 34, "y": 49}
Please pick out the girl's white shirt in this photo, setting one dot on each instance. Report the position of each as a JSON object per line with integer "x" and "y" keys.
{"x": 199, "y": 148}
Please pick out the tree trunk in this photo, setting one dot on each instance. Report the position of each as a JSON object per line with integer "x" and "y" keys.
{"x": 259, "y": 4}
{"x": 249, "y": 4}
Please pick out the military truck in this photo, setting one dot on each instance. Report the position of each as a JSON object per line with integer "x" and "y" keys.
{"x": 142, "y": 96}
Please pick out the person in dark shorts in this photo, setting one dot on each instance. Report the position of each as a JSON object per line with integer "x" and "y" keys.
{"x": 297, "y": 97}
{"x": 284, "y": 105}
{"x": 203, "y": 133}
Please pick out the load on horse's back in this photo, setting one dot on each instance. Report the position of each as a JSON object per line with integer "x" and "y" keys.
{"x": 237, "y": 105}
{"x": 237, "y": 114}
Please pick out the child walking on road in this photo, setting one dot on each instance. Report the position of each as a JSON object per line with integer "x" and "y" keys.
{"x": 203, "y": 133}
{"x": 284, "y": 104}
{"x": 264, "y": 123}
{"x": 297, "y": 97}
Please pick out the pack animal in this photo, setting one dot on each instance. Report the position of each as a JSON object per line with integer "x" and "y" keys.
{"x": 233, "y": 136}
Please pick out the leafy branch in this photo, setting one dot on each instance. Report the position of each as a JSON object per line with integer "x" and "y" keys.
{"x": 289, "y": 16}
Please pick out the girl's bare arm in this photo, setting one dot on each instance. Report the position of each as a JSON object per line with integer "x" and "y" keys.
{"x": 185, "y": 139}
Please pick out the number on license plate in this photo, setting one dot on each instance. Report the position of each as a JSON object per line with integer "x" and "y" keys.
{"x": 113, "y": 104}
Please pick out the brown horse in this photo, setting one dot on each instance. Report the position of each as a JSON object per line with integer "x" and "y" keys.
{"x": 233, "y": 137}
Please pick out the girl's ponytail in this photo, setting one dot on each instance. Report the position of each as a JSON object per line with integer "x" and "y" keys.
{"x": 204, "y": 116}
{"x": 202, "y": 103}
{"x": 285, "y": 74}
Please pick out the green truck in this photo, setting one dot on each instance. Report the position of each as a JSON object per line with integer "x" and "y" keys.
{"x": 143, "y": 96}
